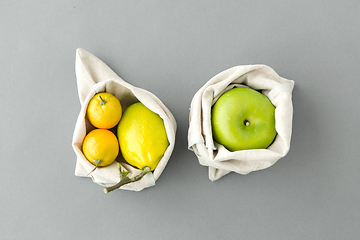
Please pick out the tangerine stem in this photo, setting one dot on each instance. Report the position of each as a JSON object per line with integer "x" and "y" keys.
{"x": 127, "y": 180}
{"x": 97, "y": 161}
{"x": 102, "y": 102}
{"x": 92, "y": 170}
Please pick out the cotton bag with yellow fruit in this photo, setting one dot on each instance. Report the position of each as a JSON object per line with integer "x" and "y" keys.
{"x": 94, "y": 76}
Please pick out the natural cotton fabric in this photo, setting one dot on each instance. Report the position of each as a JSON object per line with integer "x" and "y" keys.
{"x": 215, "y": 156}
{"x": 95, "y": 76}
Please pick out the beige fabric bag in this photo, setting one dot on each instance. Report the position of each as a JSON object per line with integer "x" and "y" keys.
{"x": 95, "y": 76}
{"x": 221, "y": 161}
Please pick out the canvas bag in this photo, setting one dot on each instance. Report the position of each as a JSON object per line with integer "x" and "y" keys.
{"x": 215, "y": 156}
{"x": 95, "y": 76}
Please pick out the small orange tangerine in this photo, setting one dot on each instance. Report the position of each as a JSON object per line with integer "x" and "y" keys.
{"x": 104, "y": 110}
{"x": 100, "y": 147}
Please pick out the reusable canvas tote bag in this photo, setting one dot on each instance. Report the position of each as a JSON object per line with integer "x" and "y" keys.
{"x": 216, "y": 157}
{"x": 95, "y": 76}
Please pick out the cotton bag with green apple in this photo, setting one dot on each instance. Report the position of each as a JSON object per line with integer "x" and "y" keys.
{"x": 241, "y": 120}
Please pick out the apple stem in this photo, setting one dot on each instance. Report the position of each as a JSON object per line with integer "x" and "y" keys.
{"x": 124, "y": 179}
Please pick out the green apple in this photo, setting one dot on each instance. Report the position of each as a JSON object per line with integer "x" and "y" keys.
{"x": 243, "y": 118}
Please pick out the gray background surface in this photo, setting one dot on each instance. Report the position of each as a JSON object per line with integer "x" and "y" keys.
{"x": 172, "y": 48}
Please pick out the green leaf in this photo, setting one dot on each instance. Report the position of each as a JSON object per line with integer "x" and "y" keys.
{"x": 97, "y": 161}
{"x": 119, "y": 167}
{"x": 123, "y": 174}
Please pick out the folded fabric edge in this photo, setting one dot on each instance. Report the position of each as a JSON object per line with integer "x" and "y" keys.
{"x": 280, "y": 86}
{"x": 216, "y": 173}
{"x": 194, "y": 142}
